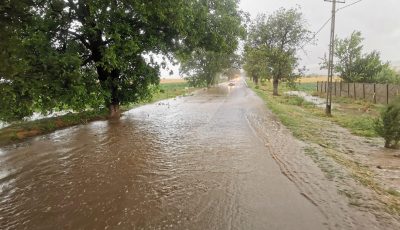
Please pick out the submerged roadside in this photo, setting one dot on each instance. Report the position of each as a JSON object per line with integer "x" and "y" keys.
{"x": 23, "y": 130}
{"x": 361, "y": 170}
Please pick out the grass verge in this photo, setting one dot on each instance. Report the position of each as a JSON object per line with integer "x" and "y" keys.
{"x": 355, "y": 115}
{"x": 23, "y": 130}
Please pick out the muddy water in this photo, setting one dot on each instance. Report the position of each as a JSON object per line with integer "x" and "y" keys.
{"x": 188, "y": 163}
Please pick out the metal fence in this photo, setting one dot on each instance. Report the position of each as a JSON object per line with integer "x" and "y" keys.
{"x": 376, "y": 93}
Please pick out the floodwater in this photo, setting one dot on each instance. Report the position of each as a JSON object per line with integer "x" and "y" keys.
{"x": 319, "y": 102}
{"x": 187, "y": 163}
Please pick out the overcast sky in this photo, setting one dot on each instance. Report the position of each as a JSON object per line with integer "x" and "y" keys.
{"x": 378, "y": 21}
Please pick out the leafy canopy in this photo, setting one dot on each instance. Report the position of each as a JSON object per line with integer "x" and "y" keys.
{"x": 79, "y": 54}
{"x": 202, "y": 67}
{"x": 277, "y": 38}
{"x": 353, "y": 65}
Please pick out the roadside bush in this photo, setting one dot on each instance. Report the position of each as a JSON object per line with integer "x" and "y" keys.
{"x": 388, "y": 125}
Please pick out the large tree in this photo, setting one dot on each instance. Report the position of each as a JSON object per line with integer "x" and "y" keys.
{"x": 80, "y": 53}
{"x": 279, "y": 36}
{"x": 352, "y": 65}
{"x": 256, "y": 63}
{"x": 15, "y": 18}
{"x": 202, "y": 66}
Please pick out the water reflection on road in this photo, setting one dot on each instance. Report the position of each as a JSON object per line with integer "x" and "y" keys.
{"x": 186, "y": 163}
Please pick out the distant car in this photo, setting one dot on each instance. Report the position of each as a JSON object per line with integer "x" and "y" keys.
{"x": 231, "y": 83}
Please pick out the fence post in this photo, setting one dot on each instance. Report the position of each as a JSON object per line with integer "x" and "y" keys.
{"x": 348, "y": 89}
{"x": 317, "y": 86}
{"x": 387, "y": 93}
{"x": 340, "y": 88}
{"x": 354, "y": 89}
{"x": 335, "y": 88}
{"x": 363, "y": 91}
{"x": 374, "y": 93}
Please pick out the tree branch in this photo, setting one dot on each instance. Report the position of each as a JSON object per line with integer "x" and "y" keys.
{"x": 80, "y": 38}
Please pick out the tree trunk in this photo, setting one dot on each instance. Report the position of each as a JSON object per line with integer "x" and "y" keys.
{"x": 255, "y": 79}
{"x": 275, "y": 84}
{"x": 107, "y": 81}
{"x": 114, "y": 110}
{"x": 388, "y": 144}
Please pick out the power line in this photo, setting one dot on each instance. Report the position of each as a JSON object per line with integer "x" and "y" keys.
{"x": 331, "y": 54}
{"x": 326, "y": 23}
{"x": 318, "y": 31}
{"x": 351, "y": 4}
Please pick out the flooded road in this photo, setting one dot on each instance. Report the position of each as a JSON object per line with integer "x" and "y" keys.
{"x": 187, "y": 163}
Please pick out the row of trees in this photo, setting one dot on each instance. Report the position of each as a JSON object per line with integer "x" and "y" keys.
{"x": 272, "y": 46}
{"x": 273, "y": 42}
{"x": 80, "y": 54}
{"x": 352, "y": 65}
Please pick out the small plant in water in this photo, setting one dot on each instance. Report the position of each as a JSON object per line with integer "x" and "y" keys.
{"x": 388, "y": 125}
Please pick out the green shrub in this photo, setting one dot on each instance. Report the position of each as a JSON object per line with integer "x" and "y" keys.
{"x": 388, "y": 125}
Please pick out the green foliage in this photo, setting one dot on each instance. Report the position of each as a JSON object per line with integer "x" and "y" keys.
{"x": 256, "y": 65}
{"x": 354, "y": 66}
{"x": 273, "y": 43}
{"x": 388, "y": 126}
{"x": 204, "y": 67}
{"x": 388, "y": 76}
{"x": 58, "y": 54}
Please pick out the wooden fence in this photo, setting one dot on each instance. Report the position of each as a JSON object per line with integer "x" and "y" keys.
{"x": 376, "y": 93}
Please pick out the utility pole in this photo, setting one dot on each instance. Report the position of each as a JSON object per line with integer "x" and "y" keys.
{"x": 331, "y": 54}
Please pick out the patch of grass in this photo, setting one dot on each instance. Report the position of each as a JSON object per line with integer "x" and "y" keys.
{"x": 166, "y": 91}
{"x": 361, "y": 125}
{"x": 307, "y": 87}
{"x": 357, "y": 116}
{"x": 289, "y": 109}
{"x": 393, "y": 192}
{"x": 23, "y": 130}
